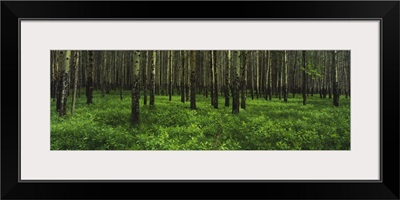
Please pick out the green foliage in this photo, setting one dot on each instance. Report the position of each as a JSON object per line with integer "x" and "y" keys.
{"x": 171, "y": 125}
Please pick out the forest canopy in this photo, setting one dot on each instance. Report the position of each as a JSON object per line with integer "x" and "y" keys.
{"x": 200, "y": 100}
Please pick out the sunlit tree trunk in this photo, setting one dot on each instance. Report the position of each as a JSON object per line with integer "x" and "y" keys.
{"x": 251, "y": 68}
{"x": 227, "y": 72}
{"x": 144, "y": 78}
{"x": 266, "y": 74}
{"x": 135, "y": 117}
{"x": 152, "y": 78}
{"x": 53, "y": 75}
{"x": 188, "y": 75}
{"x": 75, "y": 81}
{"x": 244, "y": 79}
{"x": 235, "y": 86}
{"x": 65, "y": 63}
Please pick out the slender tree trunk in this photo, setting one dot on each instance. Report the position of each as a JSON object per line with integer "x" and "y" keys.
{"x": 304, "y": 79}
{"x": 75, "y": 83}
{"x": 244, "y": 79}
{"x": 251, "y": 68}
{"x": 227, "y": 72}
{"x": 135, "y": 117}
{"x": 183, "y": 77}
{"x": 280, "y": 76}
{"x": 235, "y": 92}
{"x": 269, "y": 90}
{"x": 53, "y": 77}
{"x": 285, "y": 89}
{"x": 293, "y": 75}
{"x": 266, "y": 77}
{"x": 65, "y": 63}
{"x": 169, "y": 75}
{"x": 257, "y": 75}
{"x": 211, "y": 53}
{"x": 89, "y": 83}
{"x": 335, "y": 79}
{"x": 188, "y": 74}
{"x": 345, "y": 77}
{"x": 152, "y": 78}
{"x": 215, "y": 78}
{"x": 193, "y": 81}
{"x": 122, "y": 77}
{"x": 102, "y": 72}
{"x": 144, "y": 77}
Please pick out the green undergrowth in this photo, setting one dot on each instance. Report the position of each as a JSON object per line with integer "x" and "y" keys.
{"x": 172, "y": 125}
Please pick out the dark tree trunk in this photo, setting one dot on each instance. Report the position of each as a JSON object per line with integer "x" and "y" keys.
{"x": 235, "y": 92}
{"x": 183, "y": 78}
{"x": 89, "y": 83}
{"x": 227, "y": 72}
{"x": 193, "y": 81}
{"x": 170, "y": 75}
{"x": 215, "y": 88}
{"x": 293, "y": 75}
{"x": 121, "y": 95}
{"x": 193, "y": 89}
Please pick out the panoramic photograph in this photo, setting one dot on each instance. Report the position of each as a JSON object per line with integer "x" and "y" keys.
{"x": 200, "y": 100}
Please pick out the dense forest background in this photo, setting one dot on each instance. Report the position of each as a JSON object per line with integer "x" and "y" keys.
{"x": 188, "y": 99}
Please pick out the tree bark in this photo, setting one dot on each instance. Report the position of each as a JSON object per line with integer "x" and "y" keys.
{"x": 227, "y": 79}
{"x": 183, "y": 77}
{"x": 244, "y": 79}
{"x": 122, "y": 77}
{"x": 235, "y": 86}
{"x": 135, "y": 117}
{"x": 335, "y": 79}
{"x": 75, "y": 82}
{"x": 269, "y": 86}
{"x": 102, "y": 72}
{"x": 285, "y": 89}
{"x": 304, "y": 79}
{"x": 193, "y": 81}
{"x": 215, "y": 78}
{"x": 152, "y": 78}
{"x": 169, "y": 75}
{"x": 65, "y": 62}
{"x": 144, "y": 78}
{"x": 89, "y": 83}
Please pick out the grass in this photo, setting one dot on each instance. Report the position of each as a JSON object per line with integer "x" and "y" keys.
{"x": 171, "y": 125}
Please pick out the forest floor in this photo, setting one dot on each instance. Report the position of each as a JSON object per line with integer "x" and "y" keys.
{"x": 172, "y": 125}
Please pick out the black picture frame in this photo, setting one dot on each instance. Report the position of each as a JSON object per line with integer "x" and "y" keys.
{"x": 386, "y": 11}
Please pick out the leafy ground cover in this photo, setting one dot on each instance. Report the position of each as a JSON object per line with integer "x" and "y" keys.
{"x": 171, "y": 125}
